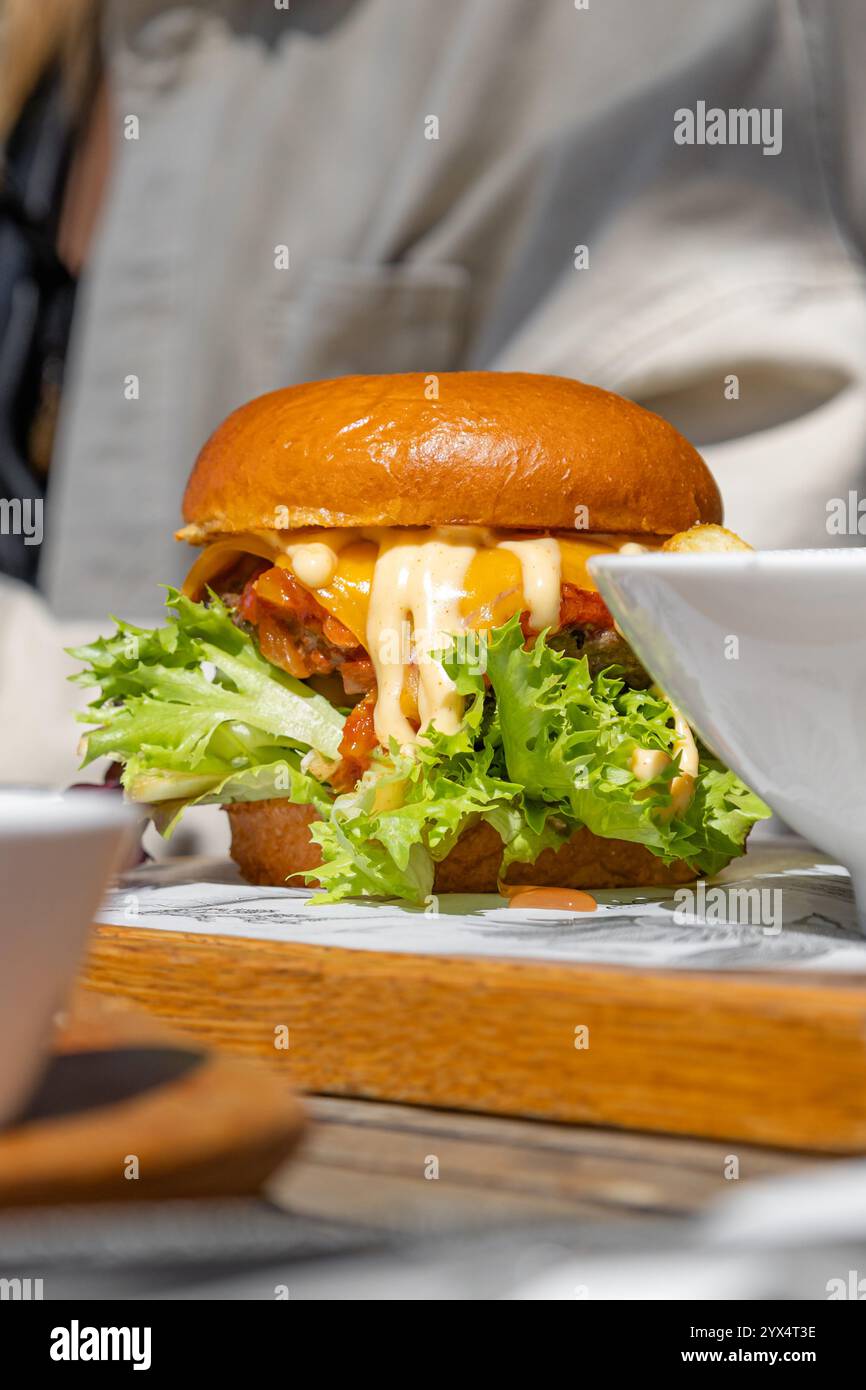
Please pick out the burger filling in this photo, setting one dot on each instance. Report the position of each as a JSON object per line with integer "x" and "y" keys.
{"x": 407, "y": 685}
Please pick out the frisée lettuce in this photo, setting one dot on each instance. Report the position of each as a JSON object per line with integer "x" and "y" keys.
{"x": 195, "y": 714}
{"x": 544, "y": 751}
{"x": 193, "y": 706}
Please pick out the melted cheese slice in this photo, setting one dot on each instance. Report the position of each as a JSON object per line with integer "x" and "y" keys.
{"x": 346, "y": 593}
{"x": 401, "y": 592}
{"x": 220, "y": 555}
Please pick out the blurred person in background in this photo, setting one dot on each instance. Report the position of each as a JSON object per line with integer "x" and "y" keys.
{"x": 52, "y": 121}
{"x": 54, "y": 126}
{"x": 255, "y": 194}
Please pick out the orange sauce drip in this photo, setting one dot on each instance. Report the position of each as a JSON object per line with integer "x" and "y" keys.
{"x": 552, "y": 899}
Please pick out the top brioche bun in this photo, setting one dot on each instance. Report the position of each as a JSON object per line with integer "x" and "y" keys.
{"x": 500, "y": 449}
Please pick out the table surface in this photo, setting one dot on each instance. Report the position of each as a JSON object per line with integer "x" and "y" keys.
{"x": 413, "y": 1169}
{"x": 367, "y": 1162}
{"x": 352, "y": 1216}
{"x": 400, "y": 1201}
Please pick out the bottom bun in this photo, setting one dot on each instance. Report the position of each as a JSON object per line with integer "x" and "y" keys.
{"x": 271, "y": 843}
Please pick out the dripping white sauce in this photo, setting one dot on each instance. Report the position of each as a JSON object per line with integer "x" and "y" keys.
{"x": 314, "y": 559}
{"x": 685, "y": 744}
{"x": 314, "y": 563}
{"x": 647, "y": 763}
{"x": 418, "y": 583}
{"x": 414, "y": 605}
{"x": 541, "y": 568}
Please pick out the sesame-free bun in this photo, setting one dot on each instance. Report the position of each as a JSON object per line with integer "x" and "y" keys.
{"x": 500, "y": 449}
{"x": 271, "y": 843}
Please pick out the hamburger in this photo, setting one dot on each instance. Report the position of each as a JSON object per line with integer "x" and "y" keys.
{"x": 390, "y": 663}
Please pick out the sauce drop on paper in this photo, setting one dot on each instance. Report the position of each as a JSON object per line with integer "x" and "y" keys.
{"x": 551, "y": 899}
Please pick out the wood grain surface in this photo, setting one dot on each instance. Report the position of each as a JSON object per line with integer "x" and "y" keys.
{"x": 369, "y": 1162}
{"x": 775, "y": 1060}
{"x": 198, "y": 1124}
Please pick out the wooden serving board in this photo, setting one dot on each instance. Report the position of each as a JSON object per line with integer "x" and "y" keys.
{"x": 120, "y": 1086}
{"x": 776, "y": 1058}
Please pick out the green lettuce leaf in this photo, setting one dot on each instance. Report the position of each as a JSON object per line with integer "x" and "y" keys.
{"x": 568, "y": 737}
{"x": 197, "y": 715}
{"x": 186, "y": 706}
{"x": 385, "y": 838}
{"x": 546, "y": 751}
{"x": 282, "y": 778}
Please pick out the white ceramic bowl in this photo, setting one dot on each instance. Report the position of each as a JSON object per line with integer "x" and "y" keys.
{"x": 57, "y": 852}
{"x": 765, "y": 653}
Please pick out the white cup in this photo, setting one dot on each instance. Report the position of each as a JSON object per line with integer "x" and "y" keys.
{"x": 57, "y": 852}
